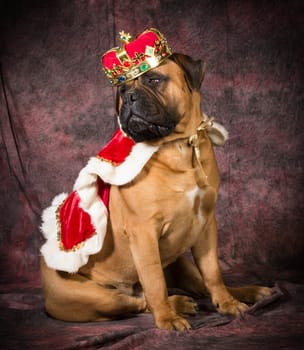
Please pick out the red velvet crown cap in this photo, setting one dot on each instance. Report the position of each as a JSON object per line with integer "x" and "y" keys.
{"x": 136, "y": 57}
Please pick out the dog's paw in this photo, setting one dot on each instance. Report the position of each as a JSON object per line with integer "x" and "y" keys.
{"x": 250, "y": 294}
{"x": 231, "y": 307}
{"x": 173, "y": 323}
{"x": 141, "y": 305}
{"x": 261, "y": 292}
{"x": 183, "y": 305}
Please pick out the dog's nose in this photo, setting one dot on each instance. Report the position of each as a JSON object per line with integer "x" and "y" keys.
{"x": 131, "y": 96}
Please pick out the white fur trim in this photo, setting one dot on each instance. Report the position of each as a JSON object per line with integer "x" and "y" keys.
{"x": 120, "y": 174}
{"x": 91, "y": 203}
{"x": 49, "y": 221}
{"x": 218, "y": 134}
{"x": 70, "y": 261}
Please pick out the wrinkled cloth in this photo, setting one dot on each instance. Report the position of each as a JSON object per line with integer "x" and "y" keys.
{"x": 275, "y": 322}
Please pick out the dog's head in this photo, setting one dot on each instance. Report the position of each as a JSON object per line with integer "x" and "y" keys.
{"x": 161, "y": 102}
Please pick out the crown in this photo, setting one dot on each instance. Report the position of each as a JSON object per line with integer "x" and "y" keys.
{"x": 138, "y": 55}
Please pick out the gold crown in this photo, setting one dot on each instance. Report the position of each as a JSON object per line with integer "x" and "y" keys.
{"x": 137, "y": 56}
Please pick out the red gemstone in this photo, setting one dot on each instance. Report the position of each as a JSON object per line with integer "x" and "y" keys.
{"x": 127, "y": 64}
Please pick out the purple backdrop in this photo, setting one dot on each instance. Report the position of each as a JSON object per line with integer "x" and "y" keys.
{"x": 57, "y": 110}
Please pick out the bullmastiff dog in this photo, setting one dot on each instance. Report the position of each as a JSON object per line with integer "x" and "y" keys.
{"x": 165, "y": 212}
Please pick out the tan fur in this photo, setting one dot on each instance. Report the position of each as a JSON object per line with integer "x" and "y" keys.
{"x": 167, "y": 210}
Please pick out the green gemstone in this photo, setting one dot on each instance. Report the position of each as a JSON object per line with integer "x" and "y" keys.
{"x": 144, "y": 67}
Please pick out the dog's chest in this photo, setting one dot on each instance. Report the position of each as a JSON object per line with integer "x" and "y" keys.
{"x": 187, "y": 222}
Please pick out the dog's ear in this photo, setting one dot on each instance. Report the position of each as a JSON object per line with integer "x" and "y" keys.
{"x": 194, "y": 69}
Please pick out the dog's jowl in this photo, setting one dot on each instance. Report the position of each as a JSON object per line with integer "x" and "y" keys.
{"x": 147, "y": 198}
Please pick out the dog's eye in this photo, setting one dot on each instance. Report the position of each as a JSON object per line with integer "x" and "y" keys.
{"x": 154, "y": 81}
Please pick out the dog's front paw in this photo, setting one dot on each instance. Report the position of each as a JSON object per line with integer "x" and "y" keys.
{"x": 231, "y": 306}
{"x": 172, "y": 321}
{"x": 183, "y": 305}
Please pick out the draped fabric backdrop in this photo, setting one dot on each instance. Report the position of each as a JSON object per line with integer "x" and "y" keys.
{"x": 57, "y": 110}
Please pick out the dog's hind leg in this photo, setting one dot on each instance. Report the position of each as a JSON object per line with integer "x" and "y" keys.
{"x": 185, "y": 275}
{"x": 72, "y": 297}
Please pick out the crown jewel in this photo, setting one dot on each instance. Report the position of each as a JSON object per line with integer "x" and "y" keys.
{"x": 137, "y": 56}
{"x": 125, "y": 37}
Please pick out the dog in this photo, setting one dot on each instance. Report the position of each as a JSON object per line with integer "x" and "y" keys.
{"x": 155, "y": 220}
